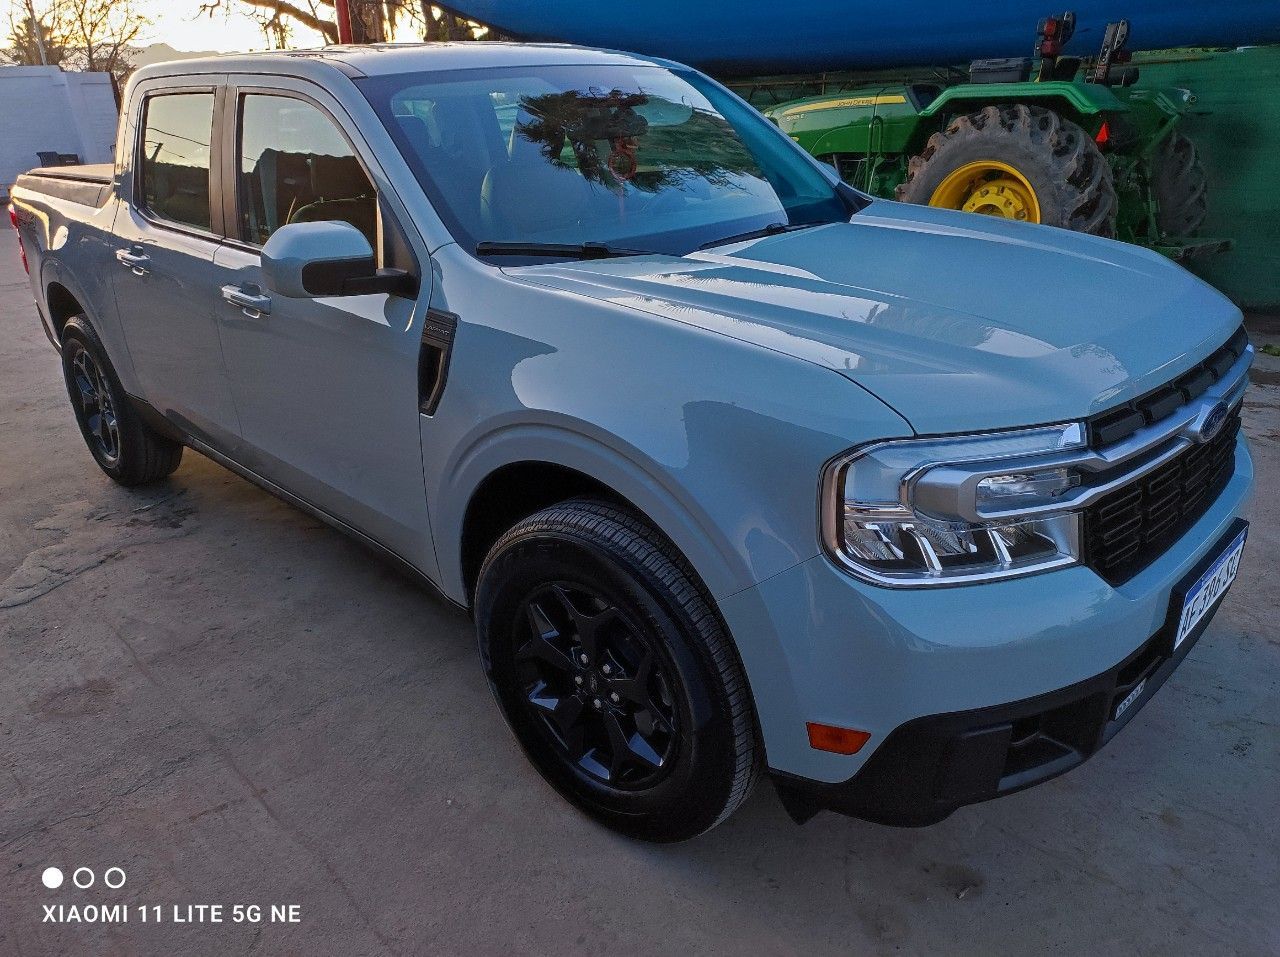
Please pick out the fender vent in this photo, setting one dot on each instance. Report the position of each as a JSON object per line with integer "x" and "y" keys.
{"x": 438, "y": 330}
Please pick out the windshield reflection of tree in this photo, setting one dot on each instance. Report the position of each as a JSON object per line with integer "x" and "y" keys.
{"x": 607, "y": 141}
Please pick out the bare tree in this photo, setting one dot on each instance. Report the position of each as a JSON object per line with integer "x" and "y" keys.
{"x": 444, "y": 24}
{"x": 101, "y": 33}
{"x": 91, "y": 35}
{"x": 276, "y": 17}
{"x": 372, "y": 21}
{"x": 34, "y": 38}
{"x": 376, "y": 20}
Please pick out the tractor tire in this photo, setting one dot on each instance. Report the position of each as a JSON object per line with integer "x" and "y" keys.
{"x": 1071, "y": 179}
{"x": 1180, "y": 186}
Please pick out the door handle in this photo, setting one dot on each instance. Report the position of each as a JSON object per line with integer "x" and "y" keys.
{"x": 254, "y": 304}
{"x": 139, "y": 263}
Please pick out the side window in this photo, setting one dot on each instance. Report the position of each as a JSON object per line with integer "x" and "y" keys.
{"x": 174, "y": 164}
{"x": 297, "y": 167}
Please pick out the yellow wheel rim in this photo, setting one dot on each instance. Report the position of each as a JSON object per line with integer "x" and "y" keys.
{"x": 989, "y": 188}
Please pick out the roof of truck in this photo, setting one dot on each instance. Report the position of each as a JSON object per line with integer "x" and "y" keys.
{"x": 390, "y": 58}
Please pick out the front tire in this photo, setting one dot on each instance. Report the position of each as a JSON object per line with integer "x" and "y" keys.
{"x": 614, "y": 672}
{"x": 1020, "y": 162}
{"x": 122, "y": 445}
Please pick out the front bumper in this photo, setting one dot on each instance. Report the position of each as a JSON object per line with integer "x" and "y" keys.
{"x": 930, "y": 766}
{"x": 920, "y": 668}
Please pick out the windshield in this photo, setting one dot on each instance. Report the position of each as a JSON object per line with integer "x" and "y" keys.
{"x": 641, "y": 158}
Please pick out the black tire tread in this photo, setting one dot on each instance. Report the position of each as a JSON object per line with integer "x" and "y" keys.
{"x": 638, "y": 545}
{"x": 1180, "y": 185}
{"x": 1083, "y": 197}
{"x": 146, "y": 456}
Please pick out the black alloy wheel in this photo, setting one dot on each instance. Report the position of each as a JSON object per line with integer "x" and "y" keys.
{"x": 614, "y": 671}
{"x": 597, "y": 685}
{"x": 95, "y": 410}
{"x": 123, "y": 445}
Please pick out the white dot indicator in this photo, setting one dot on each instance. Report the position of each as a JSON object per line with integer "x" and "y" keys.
{"x": 51, "y": 878}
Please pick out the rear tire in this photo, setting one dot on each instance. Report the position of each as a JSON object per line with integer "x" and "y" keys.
{"x": 122, "y": 445}
{"x": 1071, "y": 178}
{"x": 1179, "y": 184}
{"x": 614, "y": 672}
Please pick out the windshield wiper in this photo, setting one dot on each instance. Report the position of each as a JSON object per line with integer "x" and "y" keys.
{"x": 773, "y": 229}
{"x": 566, "y": 250}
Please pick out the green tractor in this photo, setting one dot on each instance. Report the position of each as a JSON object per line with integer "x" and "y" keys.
{"x": 1044, "y": 139}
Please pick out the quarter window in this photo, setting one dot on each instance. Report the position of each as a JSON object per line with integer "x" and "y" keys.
{"x": 176, "y": 138}
{"x": 297, "y": 167}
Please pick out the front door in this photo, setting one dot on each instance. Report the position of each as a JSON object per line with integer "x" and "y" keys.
{"x": 166, "y": 285}
{"x": 327, "y": 389}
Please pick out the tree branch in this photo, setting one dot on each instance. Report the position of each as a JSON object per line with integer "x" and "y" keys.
{"x": 283, "y": 8}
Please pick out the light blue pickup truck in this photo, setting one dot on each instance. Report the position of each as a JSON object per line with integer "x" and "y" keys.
{"x": 738, "y": 470}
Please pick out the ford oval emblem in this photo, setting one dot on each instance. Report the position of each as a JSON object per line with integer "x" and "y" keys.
{"x": 1212, "y": 422}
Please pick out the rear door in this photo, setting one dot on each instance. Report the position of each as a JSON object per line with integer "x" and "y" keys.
{"x": 327, "y": 389}
{"x": 166, "y": 234}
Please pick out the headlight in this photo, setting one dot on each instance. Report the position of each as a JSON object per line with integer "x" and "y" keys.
{"x": 953, "y": 510}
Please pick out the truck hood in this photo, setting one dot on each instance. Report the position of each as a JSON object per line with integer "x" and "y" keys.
{"x": 958, "y": 322}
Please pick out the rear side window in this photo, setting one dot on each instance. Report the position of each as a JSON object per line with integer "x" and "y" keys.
{"x": 297, "y": 167}
{"x": 176, "y": 137}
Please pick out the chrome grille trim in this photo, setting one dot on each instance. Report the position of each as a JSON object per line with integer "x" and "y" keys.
{"x": 948, "y": 491}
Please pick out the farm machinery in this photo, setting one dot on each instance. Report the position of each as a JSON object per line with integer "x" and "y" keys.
{"x": 1047, "y": 138}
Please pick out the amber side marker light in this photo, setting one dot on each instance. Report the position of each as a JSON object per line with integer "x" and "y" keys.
{"x": 825, "y": 737}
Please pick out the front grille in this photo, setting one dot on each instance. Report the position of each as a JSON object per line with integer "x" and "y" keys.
{"x": 1122, "y": 421}
{"x": 1127, "y": 530}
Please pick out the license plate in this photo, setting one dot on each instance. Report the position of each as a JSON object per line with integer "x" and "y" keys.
{"x": 1209, "y": 587}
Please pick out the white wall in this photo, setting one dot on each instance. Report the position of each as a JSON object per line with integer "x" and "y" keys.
{"x": 43, "y": 108}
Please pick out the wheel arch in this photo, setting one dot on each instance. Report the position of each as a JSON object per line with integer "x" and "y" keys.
{"x": 513, "y": 492}
{"x": 1072, "y": 101}
{"x": 524, "y": 469}
{"x": 62, "y": 296}
{"x": 62, "y": 304}
{"x": 1083, "y": 99}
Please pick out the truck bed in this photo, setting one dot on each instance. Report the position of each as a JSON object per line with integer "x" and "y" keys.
{"x": 86, "y": 185}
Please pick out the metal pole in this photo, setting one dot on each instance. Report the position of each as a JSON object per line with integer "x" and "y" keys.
{"x": 343, "y": 10}
{"x": 38, "y": 31}
{"x": 35, "y": 26}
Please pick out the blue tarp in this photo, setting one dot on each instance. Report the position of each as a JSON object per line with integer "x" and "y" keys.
{"x": 755, "y": 36}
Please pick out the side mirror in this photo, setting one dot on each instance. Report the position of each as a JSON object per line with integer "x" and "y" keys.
{"x": 318, "y": 260}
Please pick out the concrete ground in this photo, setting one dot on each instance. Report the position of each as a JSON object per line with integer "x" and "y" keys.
{"x": 237, "y": 705}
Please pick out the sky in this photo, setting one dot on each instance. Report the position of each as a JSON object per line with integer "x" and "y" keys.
{"x": 178, "y": 23}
